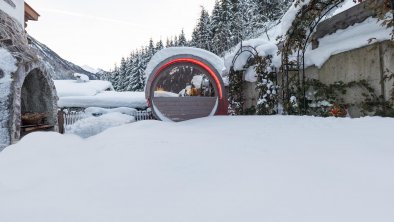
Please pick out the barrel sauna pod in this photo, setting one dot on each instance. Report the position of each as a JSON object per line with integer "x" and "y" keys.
{"x": 184, "y": 84}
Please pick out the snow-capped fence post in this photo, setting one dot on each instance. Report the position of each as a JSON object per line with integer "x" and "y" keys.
{"x": 68, "y": 118}
{"x": 72, "y": 117}
{"x": 143, "y": 115}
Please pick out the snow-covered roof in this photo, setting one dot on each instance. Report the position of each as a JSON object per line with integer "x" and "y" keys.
{"x": 106, "y": 99}
{"x": 167, "y": 53}
{"x": 75, "y": 88}
{"x": 97, "y": 93}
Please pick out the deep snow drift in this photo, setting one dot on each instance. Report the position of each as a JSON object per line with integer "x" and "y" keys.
{"x": 271, "y": 169}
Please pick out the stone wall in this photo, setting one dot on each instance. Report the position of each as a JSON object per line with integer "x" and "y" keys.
{"x": 367, "y": 63}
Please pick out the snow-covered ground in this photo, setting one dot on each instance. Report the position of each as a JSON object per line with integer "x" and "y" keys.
{"x": 273, "y": 169}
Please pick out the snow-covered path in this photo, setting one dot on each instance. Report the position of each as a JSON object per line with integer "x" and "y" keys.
{"x": 220, "y": 169}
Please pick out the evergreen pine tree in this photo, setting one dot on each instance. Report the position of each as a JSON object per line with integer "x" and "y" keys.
{"x": 215, "y": 23}
{"x": 122, "y": 75}
{"x": 223, "y": 36}
{"x": 176, "y": 41}
{"x": 182, "y": 39}
{"x": 159, "y": 46}
{"x": 202, "y": 34}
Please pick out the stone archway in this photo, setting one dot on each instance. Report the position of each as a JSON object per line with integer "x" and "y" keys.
{"x": 37, "y": 99}
{"x": 33, "y": 92}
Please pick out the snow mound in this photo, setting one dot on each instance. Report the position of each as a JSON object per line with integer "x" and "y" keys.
{"x": 94, "y": 125}
{"x": 167, "y": 53}
{"x": 231, "y": 169}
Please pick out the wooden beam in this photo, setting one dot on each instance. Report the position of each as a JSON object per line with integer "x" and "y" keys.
{"x": 30, "y": 13}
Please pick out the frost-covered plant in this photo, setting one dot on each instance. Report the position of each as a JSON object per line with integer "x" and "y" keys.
{"x": 235, "y": 94}
{"x": 267, "y": 87}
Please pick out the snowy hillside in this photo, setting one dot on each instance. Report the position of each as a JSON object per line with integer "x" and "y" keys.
{"x": 230, "y": 169}
{"x": 63, "y": 69}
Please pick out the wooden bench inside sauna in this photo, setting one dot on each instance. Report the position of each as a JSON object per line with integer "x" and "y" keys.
{"x": 184, "y": 84}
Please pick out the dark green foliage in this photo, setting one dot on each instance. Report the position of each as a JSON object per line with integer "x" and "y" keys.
{"x": 235, "y": 93}
{"x": 267, "y": 87}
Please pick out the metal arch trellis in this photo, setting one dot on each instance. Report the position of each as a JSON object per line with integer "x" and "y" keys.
{"x": 300, "y": 65}
{"x": 236, "y": 99}
{"x": 243, "y": 49}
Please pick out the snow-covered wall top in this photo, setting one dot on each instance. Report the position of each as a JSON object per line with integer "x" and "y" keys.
{"x": 167, "y": 53}
{"x": 14, "y": 8}
{"x": 361, "y": 34}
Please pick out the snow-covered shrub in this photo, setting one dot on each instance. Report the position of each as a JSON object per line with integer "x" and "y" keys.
{"x": 268, "y": 89}
{"x": 235, "y": 93}
{"x": 94, "y": 125}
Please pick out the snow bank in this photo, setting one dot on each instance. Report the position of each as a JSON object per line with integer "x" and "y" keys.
{"x": 94, "y": 125}
{"x": 67, "y": 88}
{"x": 106, "y": 99}
{"x": 353, "y": 37}
{"x": 321, "y": 170}
{"x": 7, "y": 67}
{"x": 166, "y": 53}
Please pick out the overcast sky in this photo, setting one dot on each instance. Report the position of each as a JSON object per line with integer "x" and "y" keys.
{"x": 98, "y": 33}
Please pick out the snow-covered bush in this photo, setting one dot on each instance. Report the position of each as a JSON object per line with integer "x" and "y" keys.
{"x": 268, "y": 89}
{"x": 94, "y": 125}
